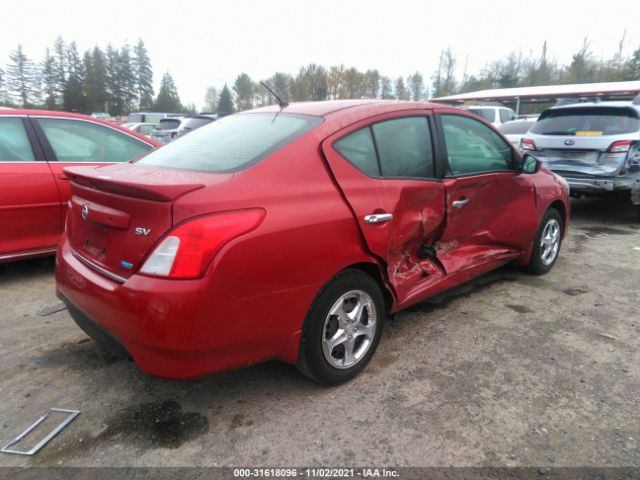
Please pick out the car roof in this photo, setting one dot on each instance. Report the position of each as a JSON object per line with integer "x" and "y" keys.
{"x": 595, "y": 104}
{"x": 21, "y": 112}
{"x": 347, "y": 108}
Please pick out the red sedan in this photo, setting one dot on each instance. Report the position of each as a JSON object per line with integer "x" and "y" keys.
{"x": 291, "y": 233}
{"x": 35, "y": 146}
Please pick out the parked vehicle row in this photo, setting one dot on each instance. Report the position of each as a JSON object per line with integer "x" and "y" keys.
{"x": 35, "y": 147}
{"x": 292, "y": 232}
{"x": 171, "y": 128}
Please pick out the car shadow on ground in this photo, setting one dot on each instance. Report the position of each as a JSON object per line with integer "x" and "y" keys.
{"x": 604, "y": 210}
{"x": 26, "y": 269}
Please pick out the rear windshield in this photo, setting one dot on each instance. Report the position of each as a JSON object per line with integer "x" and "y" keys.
{"x": 516, "y": 127}
{"x": 585, "y": 121}
{"x": 486, "y": 113}
{"x": 232, "y": 143}
{"x": 169, "y": 124}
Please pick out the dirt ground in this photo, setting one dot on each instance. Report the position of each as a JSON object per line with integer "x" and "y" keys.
{"x": 510, "y": 370}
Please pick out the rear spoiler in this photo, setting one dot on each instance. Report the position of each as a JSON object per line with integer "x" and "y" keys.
{"x": 158, "y": 188}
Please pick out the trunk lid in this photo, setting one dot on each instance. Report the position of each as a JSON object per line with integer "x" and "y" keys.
{"x": 118, "y": 213}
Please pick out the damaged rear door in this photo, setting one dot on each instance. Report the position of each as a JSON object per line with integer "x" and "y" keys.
{"x": 386, "y": 168}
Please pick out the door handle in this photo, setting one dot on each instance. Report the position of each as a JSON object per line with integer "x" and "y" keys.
{"x": 378, "y": 218}
{"x": 461, "y": 202}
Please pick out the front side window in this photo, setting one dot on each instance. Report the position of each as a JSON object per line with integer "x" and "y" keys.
{"x": 472, "y": 147}
{"x": 232, "y": 143}
{"x": 79, "y": 141}
{"x": 14, "y": 143}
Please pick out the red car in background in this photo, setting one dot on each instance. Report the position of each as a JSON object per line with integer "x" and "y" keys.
{"x": 35, "y": 146}
{"x": 291, "y": 233}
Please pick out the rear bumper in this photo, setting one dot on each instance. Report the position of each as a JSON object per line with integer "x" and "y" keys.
{"x": 600, "y": 184}
{"x": 174, "y": 328}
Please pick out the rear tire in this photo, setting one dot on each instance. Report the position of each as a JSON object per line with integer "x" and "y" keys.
{"x": 342, "y": 328}
{"x": 547, "y": 242}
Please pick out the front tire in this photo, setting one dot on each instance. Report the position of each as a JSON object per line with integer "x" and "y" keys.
{"x": 342, "y": 328}
{"x": 546, "y": 244}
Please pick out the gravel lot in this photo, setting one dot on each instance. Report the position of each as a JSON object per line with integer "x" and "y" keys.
{"x": 508, "y": 370}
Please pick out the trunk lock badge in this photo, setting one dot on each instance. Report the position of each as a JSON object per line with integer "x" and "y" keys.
{"x": 85, "y": 211}
{"x": 569, "y": 142}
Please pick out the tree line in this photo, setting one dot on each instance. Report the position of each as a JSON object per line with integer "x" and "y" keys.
{"x": 315, "y": 82}
{"x": 112, "y": 80}
{"x": 119, "y": 80}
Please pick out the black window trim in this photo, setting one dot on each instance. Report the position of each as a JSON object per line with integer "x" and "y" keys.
{"x": 445, "y": 156}
{"x": 435, "y": 147}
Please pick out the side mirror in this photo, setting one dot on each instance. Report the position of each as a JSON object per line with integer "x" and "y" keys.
{"x": 530, "y": 164}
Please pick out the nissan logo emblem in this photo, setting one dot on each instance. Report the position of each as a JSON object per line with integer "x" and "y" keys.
{"x": 569, "y": 142}
{"x": 85, "y": 212}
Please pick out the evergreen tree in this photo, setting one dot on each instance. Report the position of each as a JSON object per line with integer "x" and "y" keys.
{"x": 49, "y": 80}
{"x": 143, "y": 82}
{"x": 3, "y": 93}
{"x": 95, "y": 80}
{"x": 167, "y": 100}
{"x": 353, "y": 83}
{"x": 225, "y": 102}
{"x": 401, "y": 90}
{"x": 416, "y": 86}
{"x": 126, "y": 78}
{"x": 245, "y": 90}
{"x": 114, "y": 85}
{"x": 60, "y": 67}
{"x": 20, "y": 77}
{"x": 386, "y": 92}
{"x": 211, "y": 100}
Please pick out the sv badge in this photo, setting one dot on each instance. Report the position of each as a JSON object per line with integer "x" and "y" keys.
{"x": 143, "y": 231}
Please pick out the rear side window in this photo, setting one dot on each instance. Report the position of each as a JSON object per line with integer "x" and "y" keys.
{"x": 404, "y": 147}
{"x": 585, "y": 121}
{"x": 233, "y": 143}
{"x": 79, "y": 141}
{"x": 488, "y": 114}
{"x": 357, "y": 147}
{"x": 473, "y": 147}
{"x": 14, "y": 143}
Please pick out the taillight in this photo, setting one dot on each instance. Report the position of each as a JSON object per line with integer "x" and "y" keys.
{"x": 188, "y": 249}
{"x": 621, "y": 146}
{"x": 528, "y": 144}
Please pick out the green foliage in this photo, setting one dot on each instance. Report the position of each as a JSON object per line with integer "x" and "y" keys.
{"x": 225, "y": 102}
{"x": 245, "y": 90}
{"x": 21, "y": 78}
{"x": 143, "y": 76}
{"x": 167, "y": 99}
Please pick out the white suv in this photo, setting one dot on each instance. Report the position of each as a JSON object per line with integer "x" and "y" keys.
{"x": 495, "y": 115}
{"x": 588, "y": 145}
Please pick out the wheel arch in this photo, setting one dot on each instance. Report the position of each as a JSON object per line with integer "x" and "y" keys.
{"x": 562, "y": 210}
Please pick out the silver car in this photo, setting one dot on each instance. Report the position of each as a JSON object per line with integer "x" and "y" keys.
{"x": 587, "y": 144}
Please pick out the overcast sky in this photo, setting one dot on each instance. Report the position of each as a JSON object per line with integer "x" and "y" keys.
{"x": 205, "y": 43}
